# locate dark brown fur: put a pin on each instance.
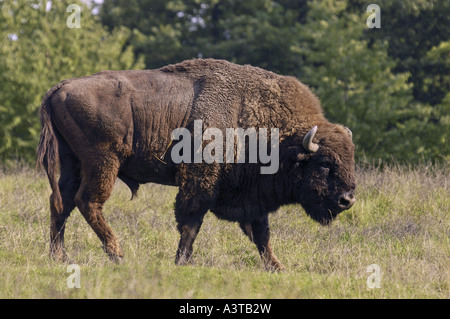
(119, 123)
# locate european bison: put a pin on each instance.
(120, 123)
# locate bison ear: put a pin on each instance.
(347, 130)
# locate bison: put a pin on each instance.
(120, 123)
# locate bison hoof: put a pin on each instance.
(275, 266)
(281, 268)
(182, 261)
(116, 259)
(59, 255)
(183, 257)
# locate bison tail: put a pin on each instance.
(48, 149)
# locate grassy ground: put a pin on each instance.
(400, 222)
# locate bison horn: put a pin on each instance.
(308, 143)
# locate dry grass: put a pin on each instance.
(400, 222)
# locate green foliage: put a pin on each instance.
(37, 50)
(252, 31)
(256, 32)
(413, 28)
(417, 39)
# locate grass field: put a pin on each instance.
(400, 222)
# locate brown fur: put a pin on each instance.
(119, 123)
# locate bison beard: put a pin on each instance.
(119, 123)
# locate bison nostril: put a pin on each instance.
(346, 200)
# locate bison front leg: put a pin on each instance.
(188, 233)
(258, 231)
(196, 195)
(189, 218)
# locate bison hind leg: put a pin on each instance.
(98, 177)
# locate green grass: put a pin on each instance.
(399, 222)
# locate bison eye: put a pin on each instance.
(325, 167)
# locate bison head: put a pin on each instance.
(323, 172)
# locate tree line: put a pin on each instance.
(390, 85)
